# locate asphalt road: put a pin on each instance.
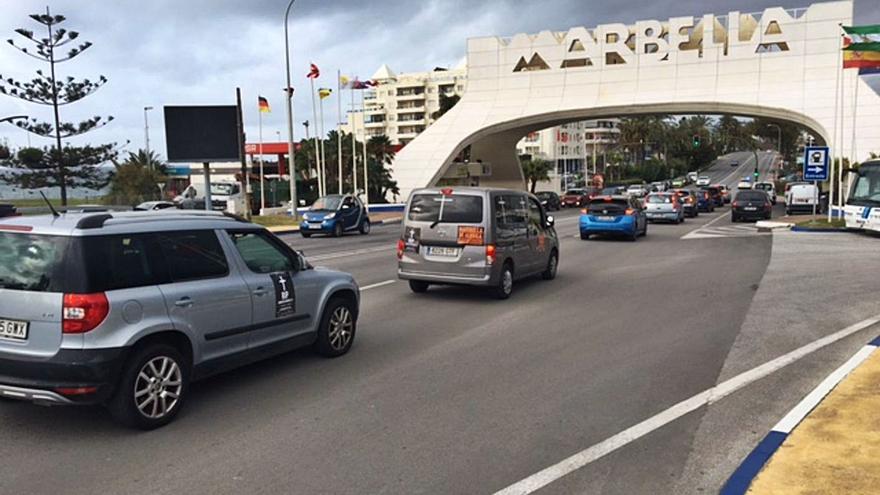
(454, 392)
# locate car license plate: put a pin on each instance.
(449, 252)
(751, 208)
(14, 330)
(606, 218)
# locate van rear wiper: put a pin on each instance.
(434, 223)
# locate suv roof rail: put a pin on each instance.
(93, 221)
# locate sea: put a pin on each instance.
(9, 191)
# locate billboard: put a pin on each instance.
(202, 134)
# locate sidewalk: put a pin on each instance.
(836, 448)
(375, 219)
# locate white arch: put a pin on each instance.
(721, 67)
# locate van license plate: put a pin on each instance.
(13, 330)
(449, 252)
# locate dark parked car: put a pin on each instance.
(7, 211)
(575, 198)
(715, 194)
(751, 205)
(549, 200)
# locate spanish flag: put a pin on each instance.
(324, 92)
(864, 53)
(263, 104)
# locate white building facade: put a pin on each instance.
(578, 150)
(402, 105)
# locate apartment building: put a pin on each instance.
(402, 105)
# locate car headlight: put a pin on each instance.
(330, 216)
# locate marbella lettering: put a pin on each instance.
(680, 40)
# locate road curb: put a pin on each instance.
(767, 226)
(741, 479)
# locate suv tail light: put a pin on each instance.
(82, 313)
(735, 204)
(400, 247)
(490, 254)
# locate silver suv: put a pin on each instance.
(475, 236)
(128, 309)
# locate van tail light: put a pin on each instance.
(400, 247)
(584, 211)
(81, 313)
(490, 254)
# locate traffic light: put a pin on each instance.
(696, 140)
(756, 174)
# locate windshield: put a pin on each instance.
(327, 203)
(221, 189)
(454, 208)
(764, 186)
(575, 192)
(867, 185)
(544, 195)
(751, 196)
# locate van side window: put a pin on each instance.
(510, 212)
(536, 218)
(192, 255)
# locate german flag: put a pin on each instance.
(263, 104)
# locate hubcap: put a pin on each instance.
(341, 328)
(157, 387)
(367, 227)
(507, 282)
(553, 264)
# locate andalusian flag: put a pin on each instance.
(264, 104)
(324, 92)
(861, 47)
(344, 81)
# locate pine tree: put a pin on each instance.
(62, 165)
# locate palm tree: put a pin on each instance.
(535, 170)
(380, 154)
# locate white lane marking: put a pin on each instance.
(737, 170)
(344, 254)
(796, 415)
(704, 225)
(376, 285)
(577, 461)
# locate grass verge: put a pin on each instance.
(275, 220)
(822, 223)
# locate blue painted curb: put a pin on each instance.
(741, 479)
(821, 230)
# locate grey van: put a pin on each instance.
(475, 236)
(126, 309)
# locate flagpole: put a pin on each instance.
(855, 155)
(354, 168)
(262, 184)
(842, 140)
(834, 142)
(339, 128)
(317, 149)
(366, 170)
(323, 154)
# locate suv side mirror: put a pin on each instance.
(303, 262)
(551, 221)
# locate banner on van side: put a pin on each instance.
(285, 295)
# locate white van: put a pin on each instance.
(802, 198)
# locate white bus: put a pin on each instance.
(862, 210)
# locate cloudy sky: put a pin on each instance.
(166, 52)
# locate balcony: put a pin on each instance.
(418, 118)
(372, 125)
(420, 108)
(410, 96)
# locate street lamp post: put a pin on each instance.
(288, 90)
(147, 135)
(779, 140)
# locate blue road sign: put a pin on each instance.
(816, 163)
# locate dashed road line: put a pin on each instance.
(377, 285)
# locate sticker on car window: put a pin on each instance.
(285, 295)
(412, 239)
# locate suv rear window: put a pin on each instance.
(751, 196)
(456, 208)
(599, 206)
(32, 262)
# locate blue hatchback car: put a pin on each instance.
(335, 214)
(705, 203)
(614, 215)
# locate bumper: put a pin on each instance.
(487, 279)
(38, 380)
(664, 216)
(325, 226)
(622, 226)
(751, 215)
